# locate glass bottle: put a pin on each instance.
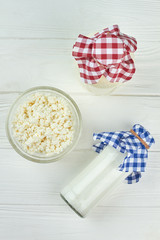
(99, 178)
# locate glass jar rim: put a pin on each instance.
(43, 158)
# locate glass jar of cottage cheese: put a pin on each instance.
(43, 124)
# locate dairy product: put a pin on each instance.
(43, 124)
(98, 179)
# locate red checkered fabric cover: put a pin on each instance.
(107, 53)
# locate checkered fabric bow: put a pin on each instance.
(107, 54)
(134, 142)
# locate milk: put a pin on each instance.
(99, 178)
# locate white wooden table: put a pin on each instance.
(36, 38)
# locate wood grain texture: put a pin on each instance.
(28, 222)
(66, 19)
(98, 115)
(28, 183)
(36, 39)
(28, 63)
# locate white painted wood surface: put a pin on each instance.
(36, 39)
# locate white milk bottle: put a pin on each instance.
(99, 178)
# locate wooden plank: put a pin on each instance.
(54, 222)
(24, 182)
(102, 113)
(46, 19)
(28, 63)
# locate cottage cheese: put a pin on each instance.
(43, 124)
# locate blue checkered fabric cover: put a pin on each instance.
(126, 142)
